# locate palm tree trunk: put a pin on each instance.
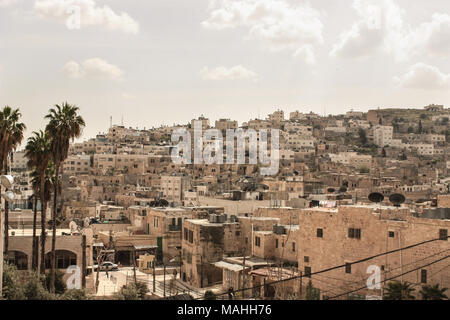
(43, 218)
(34, 251)
(5, 242)
(6, 228)
(55, 198)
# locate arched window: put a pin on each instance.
(19, 259)
(64, 259)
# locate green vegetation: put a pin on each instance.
(34, 287)
(132, 291)
(397, 290)
(311, 292)
(429, 292)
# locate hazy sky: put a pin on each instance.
(168, 61)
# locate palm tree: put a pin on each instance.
(429, 292)
(48, 186)
(11, 135)
(38, 153)
(64, 124)
(397, 290)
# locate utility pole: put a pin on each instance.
(164, 267)
(83, 262)
(134, 265)
(301, 284)
(201, 272)
(154, 279)
(243, 277)
(1, 252)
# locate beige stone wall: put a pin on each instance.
(444, 201)
(336, 248)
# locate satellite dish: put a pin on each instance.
(397, 199)
(7, 181)
(73, 226)
(8, 196)
(376, 197)
(331, 190)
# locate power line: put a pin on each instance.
(349, 282)
(339, 266)
(402, 274)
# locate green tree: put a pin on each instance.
(37, 151)
(209, 295)
(34, 288)
(76, 294)
(132, 291)
(364, 170)
(64, 125)
(420, 127)
(429, 292)
(362, 136)
(11, 135)
(60, 285)
(311, 292)
(12, 286)
(397, 290)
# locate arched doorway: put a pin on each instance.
(64, 259)
(19, 259)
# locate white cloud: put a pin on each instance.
(378, 26)
(381, 28)
(276, 22)
(233, 73)
(306, 53)
(90, 14)
(423, 76)
(5, 3)
(95, 68)
(432, 37)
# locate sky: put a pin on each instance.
(168, 61)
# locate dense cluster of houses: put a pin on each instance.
(226, 225)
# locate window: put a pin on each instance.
(443, 234)
(391, 234)
(423, 276)
(191, 236)
(354, 233)
(348, 268)
(238, 233)
(19, 259)
(293, 246)
(257, 241)
(276, 243)
(319, 233)
(306, 259)
(308, 272)
(246, 240)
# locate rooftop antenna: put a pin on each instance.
(110, 122)
(122, 120)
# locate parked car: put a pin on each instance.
(107, 265)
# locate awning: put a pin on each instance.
(98, 244)
(230, 266)
(145, 247)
